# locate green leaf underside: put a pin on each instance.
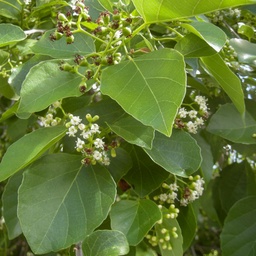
(145, 176)
(10, 201)
(164, 10)
(134, 218)
(238, 235)
(133, 131)
(19, 154)
(178, 154)
(229, 82)
(82, 45)
(176, 243)
(105, 243)
(60, 202)
(210, 33)
(228, 123)
(45, 84)
(10, 34)
(150, 88)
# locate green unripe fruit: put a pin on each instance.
(62, 17)
(127, 31)
(70, 39)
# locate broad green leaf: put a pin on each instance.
(11, 9)
(58, 49)
(107, 4)
(208, 32)
(246, 51)
(229, 82)
(19, 73)
(145, 176)
(44, 84)
(28, 148)
(4, 56)
(179, 155)
(61, 202)
(120, 164)
(6, 90)
(149, 88)
(172, 247)
(192, 46)
(10, 33)
(188, 225)
(165, 10)
(9, 112)
(246, 30)
(133, 132)
(134, 218)
(10, 203)
(238, 234)
(228, 123)
(105, 243)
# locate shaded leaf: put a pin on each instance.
(179, 154)
(10, 202)
(228, 123)
(10, 33)
(237, 237)
(165, 10)
(58, 49)
(150, 88)
(28, 148)
(134, 218)
(71, 201)
(145, 176)
(45, 84)
(11, 9)
(105, 243)
(133, 131)
(229, 82)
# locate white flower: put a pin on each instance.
(200, 100)
(54, 122)
(183, 113)
(106, 160)
(99, 143)
(184, 202)
(72, 131)
(86, 134)
(199, 121)
(79, 144)
(49, 117)
(97, 155)
(81, 127)
(95, 129)
(192, 128)
(75, 120)
(56, 104)
(172, 195)
(173, 187)
(192, 113)
(163, 197)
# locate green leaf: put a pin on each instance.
(134, 218)
(45, 84)
(133, 132)
(150, 88)
(11, 9)
(28, 148)
(208, 32)
(229, 82)
(246, 51)
(10, 34)
(10, 202)
(238, 234)
(71, 201)
(9, 112)
(58, 49)
(179, 155)
(165, 10)
(188, 225)
(246, 30)
(145, 176)
(105, 243)
(172, 247)
(228, 123)
(192, 46)
(120, 164)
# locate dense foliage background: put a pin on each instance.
(127, 127)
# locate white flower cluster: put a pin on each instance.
(193, 191)
(88, 140)
(170, 196)
(193, 119)
(49, 119)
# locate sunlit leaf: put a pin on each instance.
(28, 148)
(10, 33)
(150, 88)
(61, 202)
(105, 243)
